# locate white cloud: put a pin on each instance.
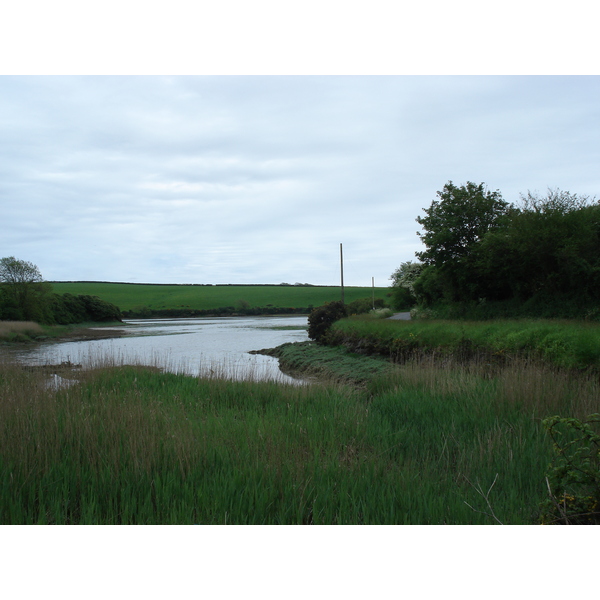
(258, 179)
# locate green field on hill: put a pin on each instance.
(129, 296)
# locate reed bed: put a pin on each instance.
(418, 444)
(19, 330)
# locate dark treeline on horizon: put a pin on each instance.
(205, 284)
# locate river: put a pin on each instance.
(210, 345)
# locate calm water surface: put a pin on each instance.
(194, 346)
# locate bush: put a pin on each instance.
(100, 310)
(574, 478)
(67, 309)
(363, 305)
(402, 299)
(323, 317)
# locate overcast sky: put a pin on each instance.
(258, 179)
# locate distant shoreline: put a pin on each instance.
(318, 285)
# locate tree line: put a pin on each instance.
(25, 296)
(485, 257)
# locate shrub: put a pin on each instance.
(323, 317)
(363, 305)
(67, 309)
(100, 310)
(574, 478)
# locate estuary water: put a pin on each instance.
(212, 345)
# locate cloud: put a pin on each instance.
(258, 179)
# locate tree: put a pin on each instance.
(403, 280)
(556, 201)
(539, 258)
(552, 245)
(454, 226)
(24, 290)
(457, 221)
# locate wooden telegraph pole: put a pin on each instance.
(373, 286)
(342, 271)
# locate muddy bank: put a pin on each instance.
(310, 361)
(92, 333)
(70, 333)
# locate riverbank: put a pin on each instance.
(372, 442)
(27, 332)
(568, 344)
(308, 360)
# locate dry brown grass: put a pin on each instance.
(538, 389)
(547, 391)
(9, 329)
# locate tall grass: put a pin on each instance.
(19, 330)
(570, 344)
(129, 445)
(417, 445)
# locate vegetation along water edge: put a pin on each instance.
(375, 442)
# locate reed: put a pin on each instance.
(417, 444)
(19, 330)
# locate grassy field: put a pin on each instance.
(205, 297)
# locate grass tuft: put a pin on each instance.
(12, 331)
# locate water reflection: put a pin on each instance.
(218, 345)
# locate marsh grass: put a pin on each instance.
(565, 344)
(472, 428)
(130, 445)
(333, 364)
(136, 445)
(12, 331)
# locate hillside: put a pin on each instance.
(128, 296)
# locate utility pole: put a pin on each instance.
(373, 284)
(342, 271)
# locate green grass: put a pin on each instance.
(207, 297)
(416, 444)
(567, 344)
(335, 363)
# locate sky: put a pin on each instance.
(258, 179)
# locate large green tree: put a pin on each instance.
(457, 221)
(453, 227)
